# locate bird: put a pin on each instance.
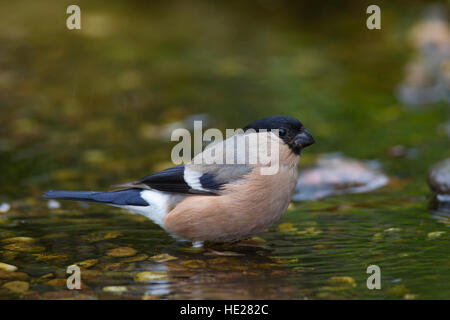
(200, 201)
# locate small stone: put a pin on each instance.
(50, 257)
(17, 286)
(43, 278)
(398, 290)
(115, 289)
(284, 261)
(334, 174)
(212, 252)
(4, 207)
(138, 258)
(99, 236)
(252, 242)
(87, 263)
(439, 177)
(342, 281)
(19, 240)
(58, 282)
(7, 275)
(226, 263)
(150, 276)
(7, 267)
(121, 252)
(163, 257)
(435, 234)
(378, 236)
(311, 231)
(150, 297)
(23, 247)
(113, 266)
(287, 227)
(53, 204)
(392, 230)
(193, 264)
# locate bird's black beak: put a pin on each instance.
(303, 140)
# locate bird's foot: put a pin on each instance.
(197, 244)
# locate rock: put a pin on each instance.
(53, 204)
(23, 247)
(8, 275)
(212, 252)
(334, 174)
(19, 240)
(193, 264)
(427, 76)
(7, 267)
(342, 281)
(439, 177)
(115, 289)
(17, 286)
(121, 252)
(138, 258)
(439, 181)
(87, 263)
(435, 234)
(400, 151)
(163, 257)
(287, 227)
(58, 282)
(99, 236)
(150, 276)
(55, 258)
(310, 231)
(398, 290)
(4, 207)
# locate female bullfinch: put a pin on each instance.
(218, 201)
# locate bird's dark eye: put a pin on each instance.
(282, 132)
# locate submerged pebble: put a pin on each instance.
(334, 174)
(342, 281)
(435, 234)
(150, 276)
(439, 177)
(17, 286)
(193, 264)
(7, 267)
(115, 289)
(87, 263)
(99, 236)
(121, 252)
(8, 275)
(58, 282)
(53, 204)
(4, 207)
(163, 257)
(18, 240)
(398, 290)
(439, 181)
(23, 247)
(138, 258)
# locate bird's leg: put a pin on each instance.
(197, 244)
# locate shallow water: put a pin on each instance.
(85, 110)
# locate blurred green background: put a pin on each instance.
(80, 108)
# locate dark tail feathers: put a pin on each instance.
(120, 197)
